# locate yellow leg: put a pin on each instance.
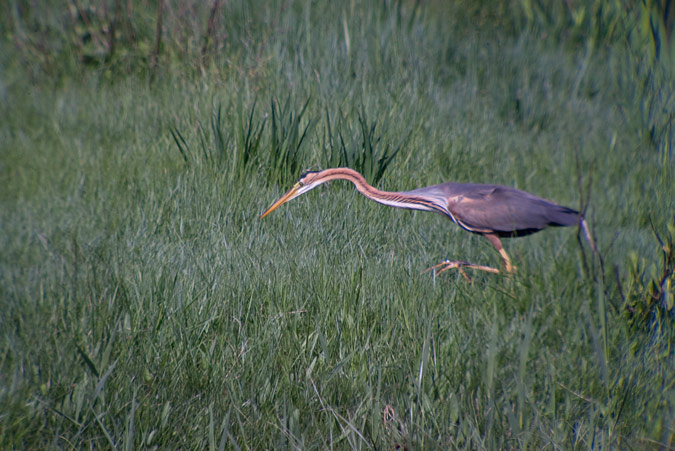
(447, 264)
(496, 242)
(507, 261)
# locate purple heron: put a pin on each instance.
(493, 211)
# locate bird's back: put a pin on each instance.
(498, 209)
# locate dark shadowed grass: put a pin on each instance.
(144, 303)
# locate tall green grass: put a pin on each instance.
(145, 305)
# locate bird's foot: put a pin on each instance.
(447, 264)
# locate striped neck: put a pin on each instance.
(392, 199)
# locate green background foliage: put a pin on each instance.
(144, 305)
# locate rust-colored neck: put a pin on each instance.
(393, 199)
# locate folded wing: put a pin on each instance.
(505, 211)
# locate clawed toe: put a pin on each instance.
(447, 264)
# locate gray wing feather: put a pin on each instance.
(499, 209)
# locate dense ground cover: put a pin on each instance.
(144, 304)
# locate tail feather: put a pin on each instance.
(562, 216)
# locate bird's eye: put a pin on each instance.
(301, 183)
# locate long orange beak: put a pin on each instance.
(285, 198)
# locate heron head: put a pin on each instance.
(308, 181)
